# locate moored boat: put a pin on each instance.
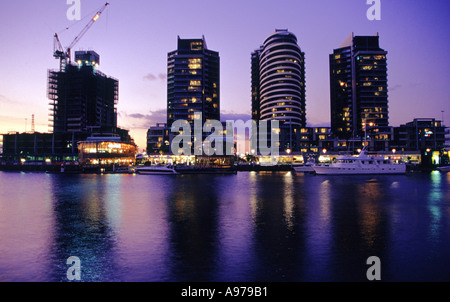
(305, 168)
(444, 169)
(156, 169)
(196, 169)
(362, 164)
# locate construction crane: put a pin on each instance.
(64, 54)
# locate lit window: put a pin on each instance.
(195, 63)
(196, 45)
(195, 66)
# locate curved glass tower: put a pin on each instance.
(278, 80)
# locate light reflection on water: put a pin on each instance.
(245, 227)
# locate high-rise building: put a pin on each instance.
(193, 82)
(278, 84)
(358, 89)
(82, 98)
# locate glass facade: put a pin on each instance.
(105, 153)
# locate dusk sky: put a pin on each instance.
(134, 37)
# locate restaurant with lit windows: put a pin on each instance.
(106, 152)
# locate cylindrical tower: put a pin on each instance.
(282, 79)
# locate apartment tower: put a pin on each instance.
(278, 85)
(358, 89)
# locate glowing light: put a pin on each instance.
(114, 146)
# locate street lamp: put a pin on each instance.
(365, 131)
(288, 151)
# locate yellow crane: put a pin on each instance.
(64, 54)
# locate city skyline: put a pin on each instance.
(133, 41)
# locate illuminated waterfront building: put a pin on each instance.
(106, 151)
(158, 139)
(278, 85)
(83, 104)
(419, 134)
(358, 90)
(193, 82)
(278, 80)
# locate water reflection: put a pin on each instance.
(318, 220)
(285, 241)
(434, 204)
(26, 226)
(288, 200)
(81, 227)
(193, 235)
(245, 227)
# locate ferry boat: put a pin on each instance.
(156, 169)
(362, 164)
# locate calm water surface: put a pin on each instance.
(245, 227)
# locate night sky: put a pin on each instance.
(134, 37)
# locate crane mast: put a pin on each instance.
(64, 55)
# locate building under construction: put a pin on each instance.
(82, 98)
(82, 107)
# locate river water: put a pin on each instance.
(253, 226)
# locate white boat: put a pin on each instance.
(305, 168)
(362, 164)
(156, 169)
(444, 169)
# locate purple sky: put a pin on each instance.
(134, 37)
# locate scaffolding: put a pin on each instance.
(81, 97)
